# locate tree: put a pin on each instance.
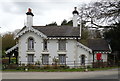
(52, 24)
(0, 42)
(68, 23)
(113, 37)
(7, 42)
(64, 22)
(101, 14)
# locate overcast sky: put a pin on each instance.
(12, 12)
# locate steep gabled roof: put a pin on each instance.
(59, 31)
(12, 48)
(84, 47)
(29, 29)
(98, 45)
(51, 31)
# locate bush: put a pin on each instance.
(100, 64)
(5, 61)
(89, 66)
(64, 66)
(20, 68)
(31, 66)
(12, 66)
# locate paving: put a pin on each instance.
(108, 74)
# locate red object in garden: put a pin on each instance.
(99, 56)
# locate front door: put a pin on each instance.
(30, 58)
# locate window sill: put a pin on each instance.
(62, 51)
(45, 50)
(30, 51)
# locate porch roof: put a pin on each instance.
(98, 45)
(11, 49)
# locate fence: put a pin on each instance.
(73, 64)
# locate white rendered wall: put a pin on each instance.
(71, 50)
(52, 48)
(23, 47)
(104, 57)
(82, 51)
(52, 45)
(38, 49)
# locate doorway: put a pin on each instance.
(82, 59)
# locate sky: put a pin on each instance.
(13, 12)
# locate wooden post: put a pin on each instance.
(9, 58)
(16, 58)
(93, 59)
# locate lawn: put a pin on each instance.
(60, 70)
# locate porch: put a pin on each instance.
(12, 52)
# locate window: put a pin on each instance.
(30, 58)
(45, 59)
(62, 44)
(30, 43)
(62, 59)
(44, 44)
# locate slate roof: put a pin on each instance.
(59, 31)
(98, 45)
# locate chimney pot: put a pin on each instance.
(29, 10)
(75, 8)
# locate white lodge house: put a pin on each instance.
(45, 43)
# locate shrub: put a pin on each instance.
(31, 66)
(12, 66)
(64, 66)
(89, 66)
(23, 64)
(100, 64)
(20, 68)
(47, 67)
(5, 61)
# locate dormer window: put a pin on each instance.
(30, 43)
(62, 45)
(45, 44)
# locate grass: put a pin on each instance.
(45, 70)
(99, 69)
(59, 70)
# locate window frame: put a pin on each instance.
(62, 45)
(62, 59)
(44, 60)
(45, 44)
(30, 57)
(30, 43)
